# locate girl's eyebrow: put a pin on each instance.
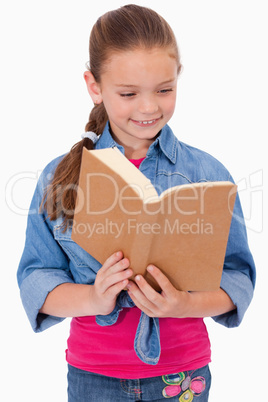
(126, 85)
(136, 86)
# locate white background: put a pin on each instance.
(222, 108)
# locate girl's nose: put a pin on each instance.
(148, 105)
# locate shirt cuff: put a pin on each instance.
(34, 290)
(239, 288)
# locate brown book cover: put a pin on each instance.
(184, 231)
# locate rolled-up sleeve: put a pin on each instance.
(239, 273)
(43, 265)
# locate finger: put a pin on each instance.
(112, 265)
(151, 294)
(114, 290)
(111, 280)
(112, 260)
(161, 279)
(141, 303)
(140, 298)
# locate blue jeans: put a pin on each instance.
(84, 386)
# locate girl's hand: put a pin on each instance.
(111, 279)
(169, 303)
(175, 303)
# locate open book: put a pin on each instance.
(184, 231)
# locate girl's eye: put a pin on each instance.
(165, 91)
(127, 95)
(132, 94)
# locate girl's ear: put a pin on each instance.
(93, 88)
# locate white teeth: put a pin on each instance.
(146, 122)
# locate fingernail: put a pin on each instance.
(138, 278)
(150, 268)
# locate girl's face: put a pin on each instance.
(138, 89)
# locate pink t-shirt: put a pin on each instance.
(136, 162)
(109, 350)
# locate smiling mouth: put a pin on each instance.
(146, 122)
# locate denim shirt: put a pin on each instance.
(51, 257)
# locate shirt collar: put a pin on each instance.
(107, 141)
(167, 142)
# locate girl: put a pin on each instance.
(132, 80)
